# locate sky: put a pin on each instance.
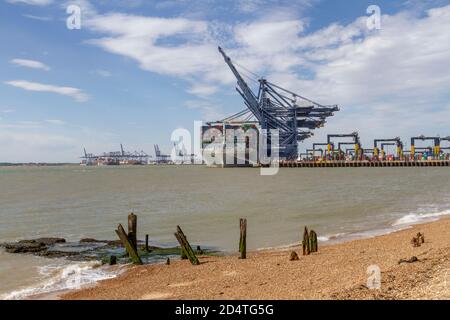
(136, 70)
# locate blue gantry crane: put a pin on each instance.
(277, 108)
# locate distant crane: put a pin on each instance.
(398, 142)
(116, 157)
(277, 108)
(436, 140)
(353, 135)
(161, 158)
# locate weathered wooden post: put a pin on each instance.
(183, 255)
(313, 241)
(132, 252)
(186, 247)
(132, 229)
(243, 238)
(146, 243)
(305, 242)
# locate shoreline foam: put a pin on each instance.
(59, 278)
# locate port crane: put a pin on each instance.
(116, 157)
(397, 141)
(353, 135)
(340, 144)
(161, 158)
(275, 107)
(383, 148)
(315, 145)
(444, 139)
(436, 140)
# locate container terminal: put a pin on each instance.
(122, 157)
(296, 117)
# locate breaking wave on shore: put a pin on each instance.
(61, 277)
(419, 217)
(423, 215)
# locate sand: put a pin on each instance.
(336, 272)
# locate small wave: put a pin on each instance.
(329, 237)
(59, 278)
(324, 238)
(414, 218)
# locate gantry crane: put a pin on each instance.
(398, 142)
(444, 139)
(340, 144)
(436, 140)
(353, 135)
(277, 108)
(320, 149)
(383, 150)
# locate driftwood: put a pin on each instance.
(186, 247)
(132, 252)
(243, 238)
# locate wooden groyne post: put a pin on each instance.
(132, 252)
(309, 242)
(146, 243)
(305, 242)
(243, 238)
(313, 247)
(132, 229)
(186, 247)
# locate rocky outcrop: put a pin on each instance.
(31, 246)
(89, 249)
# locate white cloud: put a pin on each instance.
(32, 2)
(202, 89)
(102, 73)
(55, 122)
(136, 37)
(74, 93)
(269, 37)
(39, 18)
(30, 64)
(405, 66)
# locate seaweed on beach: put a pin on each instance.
(95, 250)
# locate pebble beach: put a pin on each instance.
(338, 271)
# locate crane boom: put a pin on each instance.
(277, 108)
(245, 90)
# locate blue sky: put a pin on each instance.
(137, 70)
